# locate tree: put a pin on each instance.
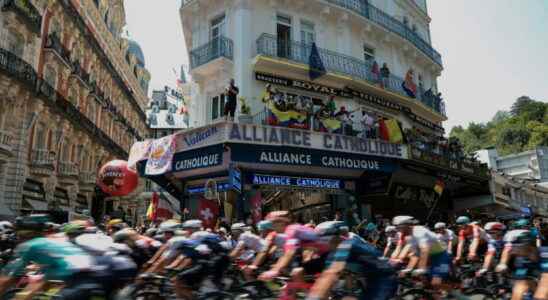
(519, 105)
(500, 117)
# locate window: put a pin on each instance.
(40, 136)
(16, 44)
(308, 35)
(92, 112)
(218, 107)
(50, 76)
(406, 21)
(368, 52)
(283, 31)
(420, 82)
(217, 27)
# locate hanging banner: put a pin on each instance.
(160, 156)
(139, 151)
(306, 157)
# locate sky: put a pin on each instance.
(493, 51)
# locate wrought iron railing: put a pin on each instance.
(439, 157)
(216, 48)
(78, 71)
(54, 43)
(68, 169)
(26, 10)
(388, 22)
(269, 45)
(43, 158)
(17, 67)
(5, 140)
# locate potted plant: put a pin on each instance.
(245, 116)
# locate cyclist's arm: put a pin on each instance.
(260, 259)
(450, 246)
(386, 249)
(472, 253)
(284, 261)
(237, 251)
(156, 256)
(326, 280)
(505, 256)
(488, 261)
(6, 282)
(460, 247)
(176, 262)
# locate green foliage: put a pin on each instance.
(523, 128)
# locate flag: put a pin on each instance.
(152, 207)
(256, 207)
(439, 187)
(139, 151)
(164, 210)
(394, 132)
(315, 63)
(208, 212)
(160, 156)
(383, 130)
(375, 70)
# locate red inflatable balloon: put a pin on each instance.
(116, 179)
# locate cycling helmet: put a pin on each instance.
(169, 226)
(114, 222)
(35, 223)
(494, 226)
(331, 228)
(238, 227)
(151, 232)
(6, 227)
(264, 225)
(74, 228)
(521, 224)
(404, 220)
(280, 215)
(123, 235)
(193, 225)
(440, 225)
(463, 220)
(390, 229)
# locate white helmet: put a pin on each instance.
(6, 227)
(390, 228)
(238, 227)
(404, 220)
(193, 224)
(440, 225)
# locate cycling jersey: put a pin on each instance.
(446, 237)
(300, 236)
(495, 246)
(59, 259)
(472, 231)
(251, 241)
(422, 237)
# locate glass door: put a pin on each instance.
(283, 30)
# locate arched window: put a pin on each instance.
(16, 44)
(65, 152)
(40, 136)
(50, 76)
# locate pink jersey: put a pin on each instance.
(299, 236)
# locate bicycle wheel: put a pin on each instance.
(216, 296)
(480, 294)
(415, 294)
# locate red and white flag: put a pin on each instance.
(208, 212)
(257, 207)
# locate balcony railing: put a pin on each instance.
(54, 43)
(87, 177)
(446, 159)
(268, 45)
(26, 11)
(78, 71)
(389, 23)
(5, 140)
(68, 169)
(43, 158)
(216, 48)
(17, 67)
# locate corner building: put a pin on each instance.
(309, 72)
(72, 97)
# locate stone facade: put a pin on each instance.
(71, 98)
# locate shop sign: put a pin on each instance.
(415, 194)
(308, 157)
(280, 136)
(221, 187)
(274, 180)
(200, 137)
(200, 158)
(345, 93)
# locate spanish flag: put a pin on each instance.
(153, 207)
(394, 131)
(439, 187)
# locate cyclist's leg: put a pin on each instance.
(542, 287)
(520, 288)
(187, 279)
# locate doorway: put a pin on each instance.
(283, 31)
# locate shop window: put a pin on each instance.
(217, 27)
(16, 44)
(308, 35)
(368, 52)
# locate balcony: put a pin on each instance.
(80, 73)
(54, 44)
(334, 62)
(87, 181)
(17, 68)
(5, 144)
(42, 162)
(389, 23)
(218, 50)
(68, 173)
(26, 11)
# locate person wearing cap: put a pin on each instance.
(432, 256)
(472, 233)
(495, 233)
(446, 236)
(56, 259)
(356, 256)
(520, 249)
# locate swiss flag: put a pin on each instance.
(208, 212)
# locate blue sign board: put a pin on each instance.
(198, 158)
(221, 187)
(294, 156)
(236, 179)
(276, 180)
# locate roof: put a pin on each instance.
(135, 49)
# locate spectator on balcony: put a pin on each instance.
(409, 85)
(331, 107)
(232, 92)
(376, 73)
(385, 76)
(368, 124)
(344, 116)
